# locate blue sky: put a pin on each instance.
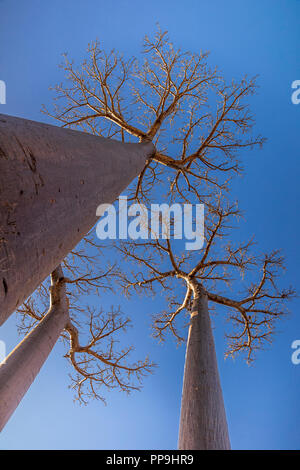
(259, 37)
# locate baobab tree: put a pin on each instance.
(174, 100)
(198, 123)
(192, 280)
(190, 122)
(91, 335)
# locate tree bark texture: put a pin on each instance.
(203, 423)
(51, 182)
(22, 365)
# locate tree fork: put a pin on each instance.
(51, 183)
(203, 423)
(22, 365)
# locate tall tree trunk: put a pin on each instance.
(51, 183)
(203, 422)
(23, 364)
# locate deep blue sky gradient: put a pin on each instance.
(258, 37)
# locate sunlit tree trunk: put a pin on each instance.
(203, 422)
(51, 182)
(22, 365)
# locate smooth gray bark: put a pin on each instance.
(23, 364)
(203, 423)
(51, 182)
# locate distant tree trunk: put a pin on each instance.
(23, 364)
(203, 422)
(51, 183)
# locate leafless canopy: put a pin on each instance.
(91, 335)
(219, 269)
(196, 120)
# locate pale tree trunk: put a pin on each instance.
(51, 183)
(203, 423)
(22, 365)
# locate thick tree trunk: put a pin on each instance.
(51, 182)
(23, 364)
(203, 422)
